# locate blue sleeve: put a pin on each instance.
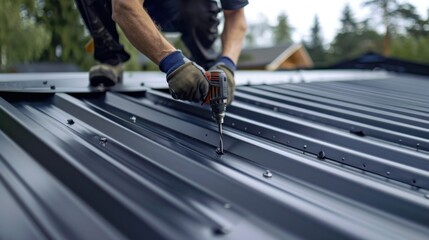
(233, 4)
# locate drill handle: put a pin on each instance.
(218, 87)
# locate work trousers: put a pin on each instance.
(196, 20)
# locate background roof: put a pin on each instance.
(255, 57)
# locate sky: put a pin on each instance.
(301, 13)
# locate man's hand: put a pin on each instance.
(227, 65)
(186, 80)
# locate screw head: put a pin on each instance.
(103, 139)
(321, 155)
(45, 82)
(221, 230)
(52, 87)
(219, 152)
(305, 146)
(267, 174)
(133, 119)
(70, 121)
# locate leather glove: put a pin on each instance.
(227, 65)
(186, 80)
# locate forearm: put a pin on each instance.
(233, 33)
(140, 29)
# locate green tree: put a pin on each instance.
(315, 45)
(414, 45)
(415, 24)
(282, 31)
(21, 39)
(353, 38)
(392, 12)
(348, 22)
(257, 32)
(411, 48)
(64, 23)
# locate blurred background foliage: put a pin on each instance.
(52, 31)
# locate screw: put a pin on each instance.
(305, 146)
(343, 159)
(267, 174)
(418, 145)
(221, 230)
(142, 84)
(53, 87)
(219, 152)
(70, 121)
(321, 155)
(134, 119)
(45, 82)
(103, 140)
(388, 173)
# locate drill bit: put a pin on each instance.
(220, 149)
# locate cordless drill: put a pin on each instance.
(217, 97)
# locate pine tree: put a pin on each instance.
(416, 25)
(354, 38)
(315, 45)
(348, 22)
(283, 31)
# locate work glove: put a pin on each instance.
(227, 65)
(186, 80)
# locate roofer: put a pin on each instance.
(197, 22)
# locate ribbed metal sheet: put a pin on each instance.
(321, 160)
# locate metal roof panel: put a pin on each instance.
(332, 159)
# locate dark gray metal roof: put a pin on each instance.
(320, 160)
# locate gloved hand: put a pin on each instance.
(186, 80)
(227, 65)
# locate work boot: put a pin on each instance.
(106, 75)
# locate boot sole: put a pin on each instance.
(102, 77)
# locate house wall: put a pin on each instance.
(296, 60)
